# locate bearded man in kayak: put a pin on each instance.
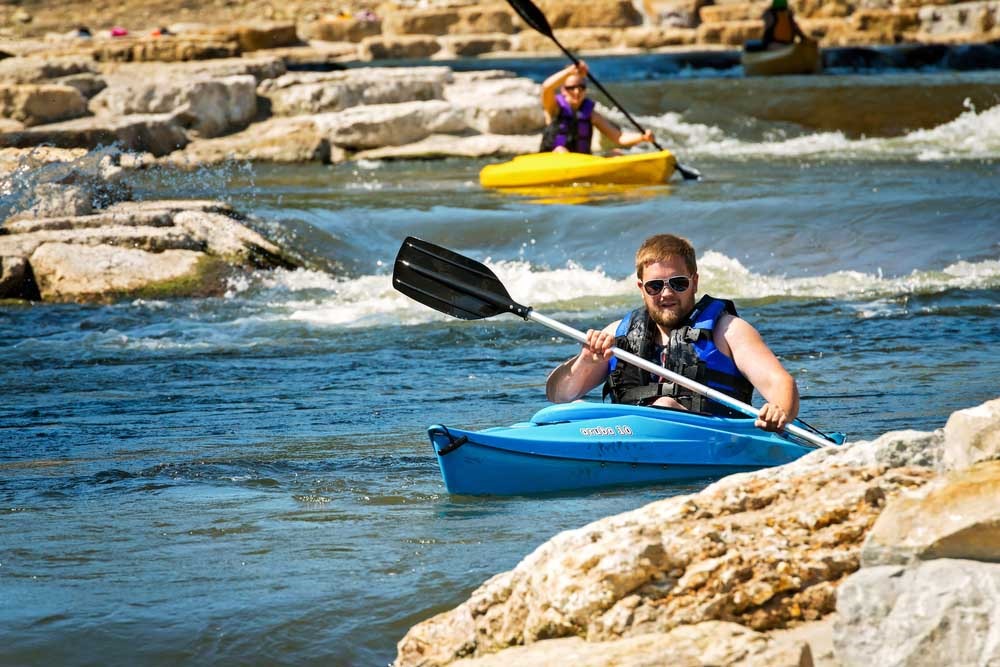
(705, 341)
(570, 116)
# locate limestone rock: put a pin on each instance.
(475, 19)
(158, 134)
(957, 516)
(259, 66)
(337, 29)
(210, 106)
(470, 46)
(732, 33)
(589, 13)
(443, 145)
(256, 36)
(378, 125)
(672, 13)
(165, 49)
(71, 272)
(972, 435)
(743, 11)
(940, 612)
(88, 84)
(972, 19)
(498, 106)
(575, 39)
(33, 104)
(714, 643)
(315, 92)
(291, 140)
(654, 38)
(37, 69)
(130, 248)
(406, 46)
(761, 552)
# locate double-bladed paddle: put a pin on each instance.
(462, 287)
(534, 17)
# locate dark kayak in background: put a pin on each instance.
(799, 58)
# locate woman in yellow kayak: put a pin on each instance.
(570, 116)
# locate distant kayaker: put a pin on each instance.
(704, 340)
(570, 116)
(780, 28)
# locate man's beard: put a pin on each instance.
(669, 319)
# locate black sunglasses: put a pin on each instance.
(579, 86)
(677, 284)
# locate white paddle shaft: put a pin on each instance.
(687, 383)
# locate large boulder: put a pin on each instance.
(957, 516)
(315, 92)
(159, 248)
(283, 140)
(971, 436)
(378, 125)
(210, 106)
(589, 13)
(730, 33)
(446, 145)
(969, 21)
(759, 551)
(939, 612)
(165, 49)
(715, 643)
(656, 37)
(382, 47)
(33, 104)
(502, 105)
(470, 46)
(36, 69)
(158, 134)
(339, 29)
(258, 35)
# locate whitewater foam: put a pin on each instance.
(973, 135)
(318, 298)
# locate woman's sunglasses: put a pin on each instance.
(677, 284)
(579, 86)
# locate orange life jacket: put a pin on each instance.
(783, 32)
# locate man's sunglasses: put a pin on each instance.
(677, 284)
(579, 86)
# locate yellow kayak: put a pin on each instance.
(567, 168)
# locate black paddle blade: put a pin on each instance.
(532, 15)
(450, 283)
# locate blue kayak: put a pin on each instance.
(585, 445)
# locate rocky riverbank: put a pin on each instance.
(360, 30)
(72, 234)
(881, 552)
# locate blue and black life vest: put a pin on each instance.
(572, 129)
(690, 352)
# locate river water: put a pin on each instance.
(246, 480)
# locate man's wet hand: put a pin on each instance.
(598, 346)
(771, 417)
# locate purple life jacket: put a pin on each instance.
(570, 129)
